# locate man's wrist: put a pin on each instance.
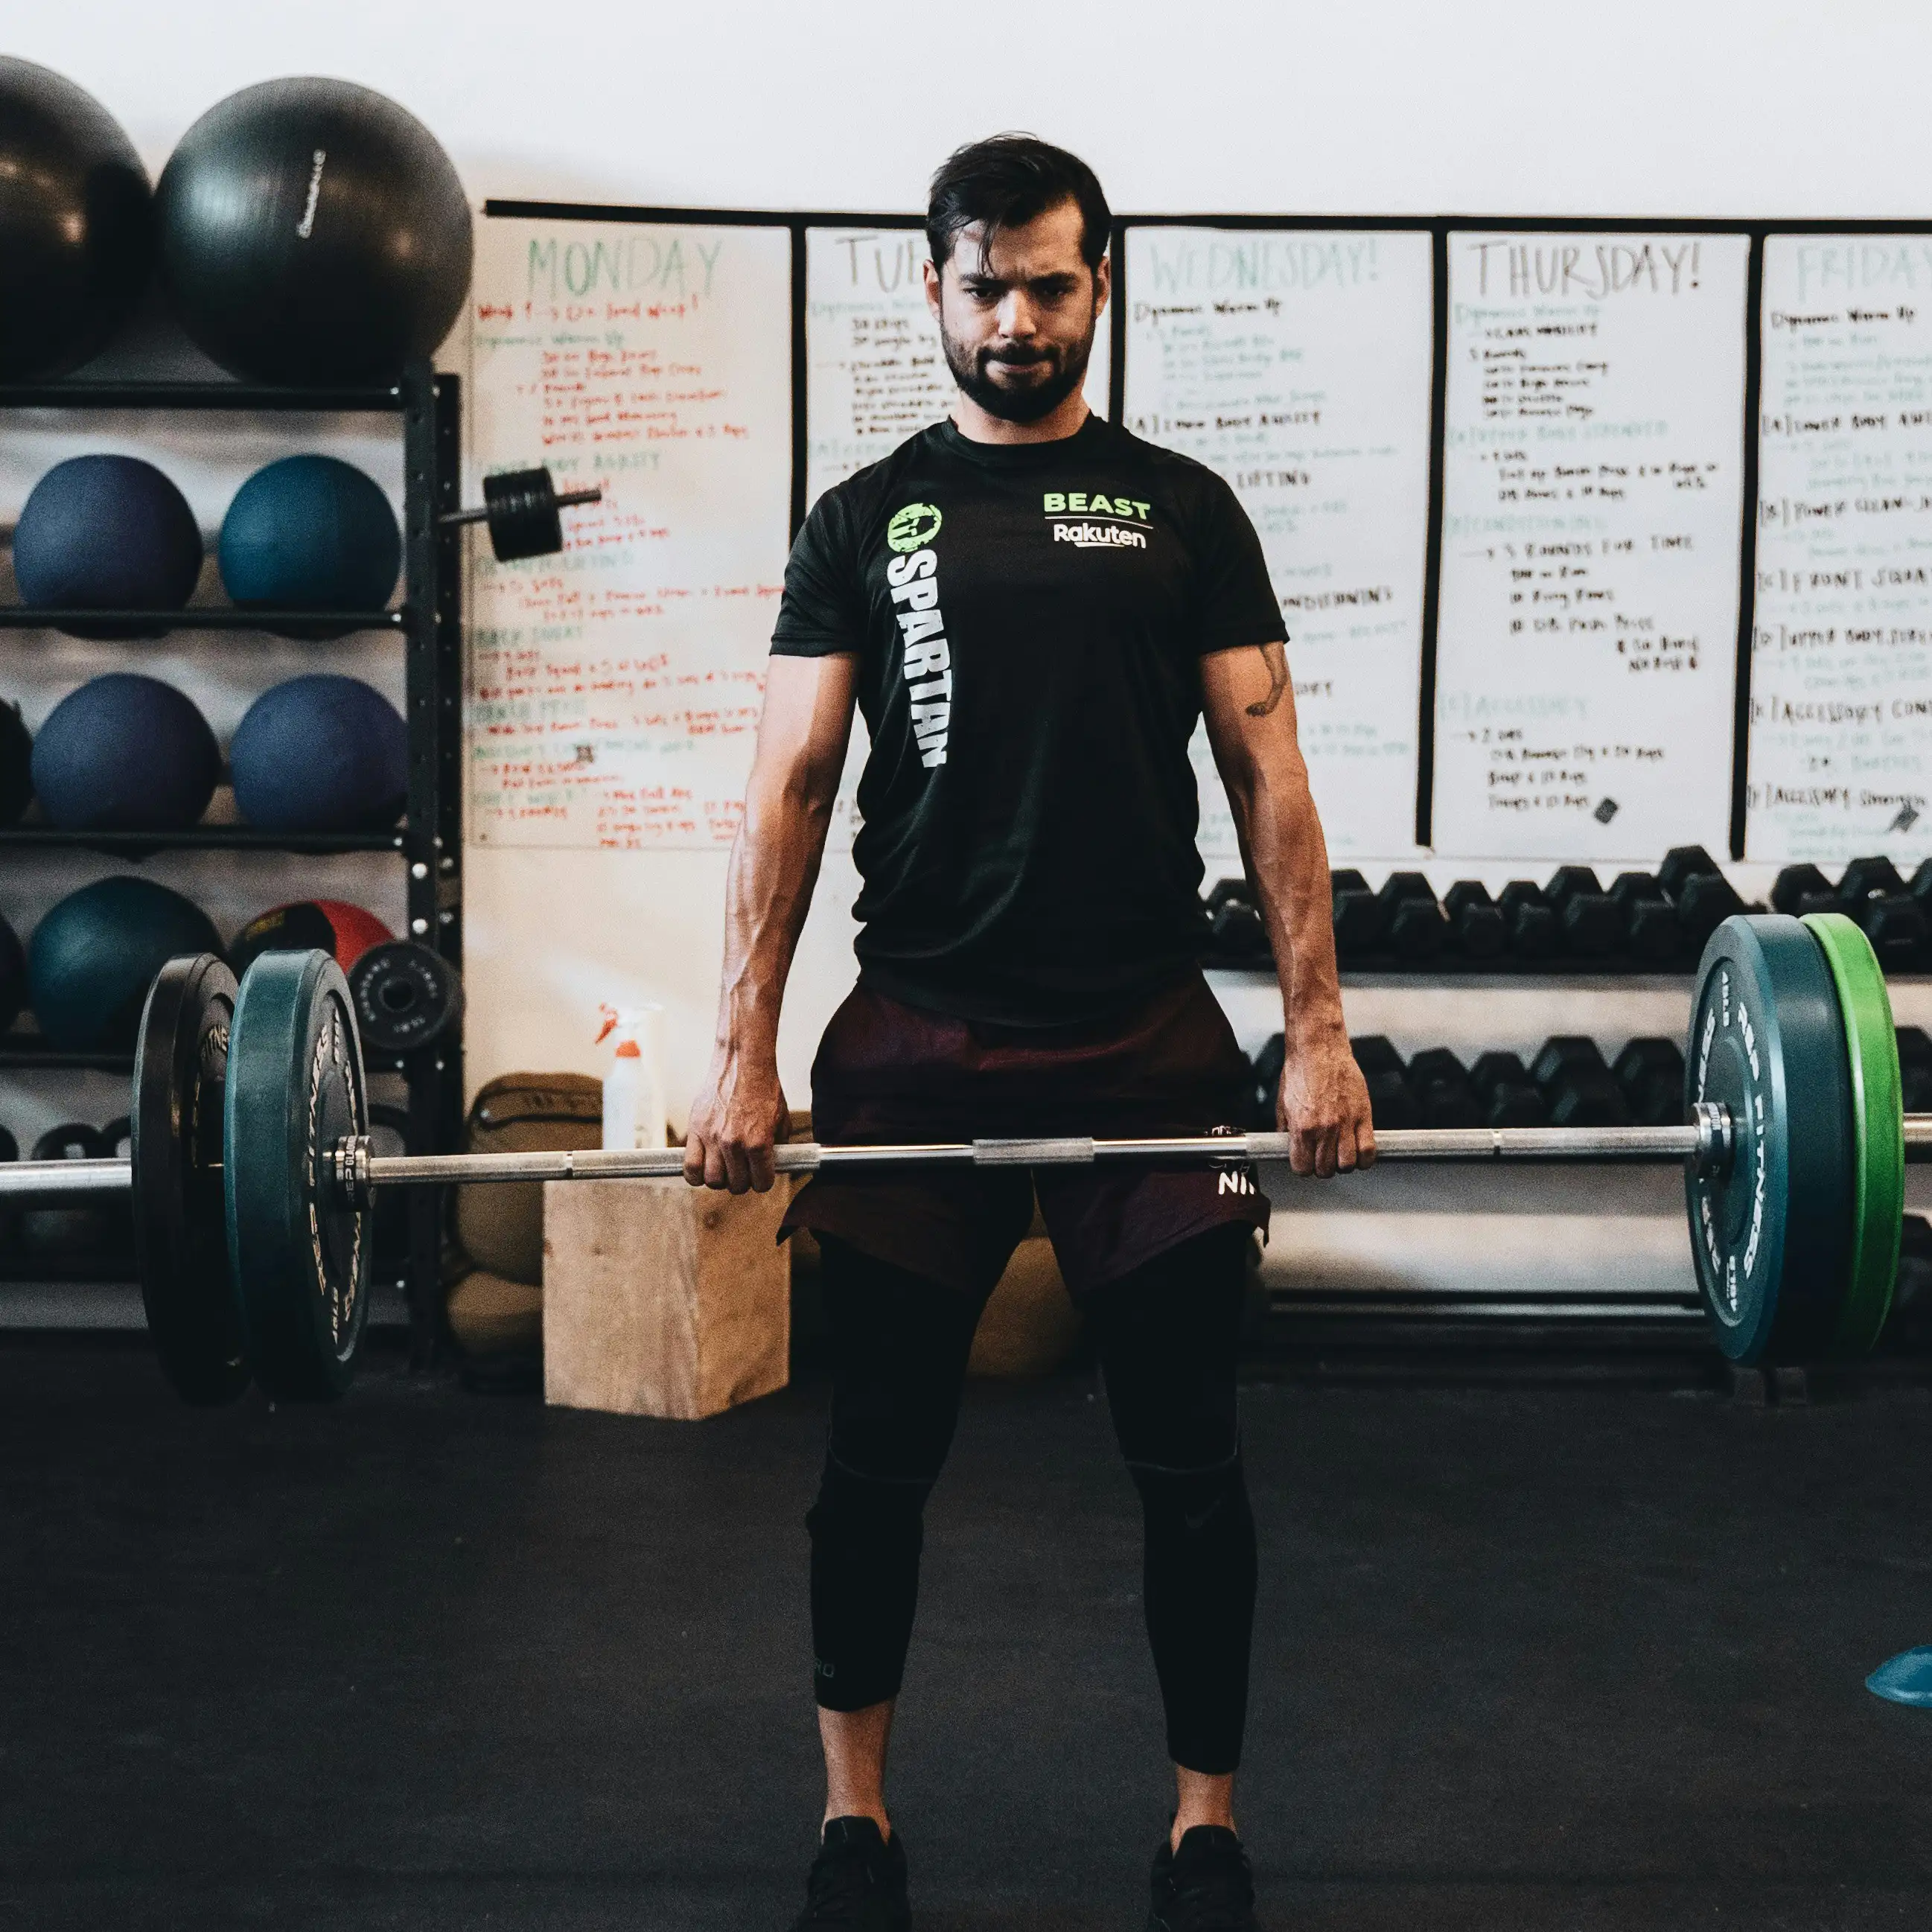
(747, 1051)
(1324, 1026)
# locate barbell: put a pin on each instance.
(252, 1176)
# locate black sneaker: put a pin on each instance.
(1206, 1886)
(858, 1881)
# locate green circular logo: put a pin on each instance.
(914, 527)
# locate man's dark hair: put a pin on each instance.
(1007, 181)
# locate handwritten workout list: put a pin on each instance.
(1841, 663)
(614, 690)
(1592, 500)
(1296, 363)
(875, 373)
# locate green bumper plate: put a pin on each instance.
(174, 1133)
(298, 1254)
(1771, 1235)
(1878, 1118)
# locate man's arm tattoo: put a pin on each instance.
(1276, 658)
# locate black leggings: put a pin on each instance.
(1168, 1335)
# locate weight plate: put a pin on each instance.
(523, 520)
(1772, 1236)
(407, 996)
(181, 1062)
(299, 1252)
(1878, 1120)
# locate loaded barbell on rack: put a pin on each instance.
(252, 1175)
(520, 511)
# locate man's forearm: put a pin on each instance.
(774, 861)
(1289, 860)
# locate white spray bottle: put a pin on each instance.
(634, 1093)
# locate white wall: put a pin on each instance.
(1499, 105)
(1644, 107)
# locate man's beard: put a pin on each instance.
(1021, 405)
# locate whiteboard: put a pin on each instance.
(614, 691)
(1296, 363)
(1841, 755)
(1592, 529)
(874, 371)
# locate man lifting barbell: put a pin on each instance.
(1032, 608)
(1030, 925)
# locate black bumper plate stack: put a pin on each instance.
(174, 1131)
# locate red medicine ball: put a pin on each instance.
(332, 926)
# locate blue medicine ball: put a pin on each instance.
(321, 754)
(125, 753)
(92, 958)
(107, 533)
(310, 533)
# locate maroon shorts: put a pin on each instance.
(887, 1073)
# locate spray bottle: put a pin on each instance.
(634, 1097)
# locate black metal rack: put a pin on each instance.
(428, 620)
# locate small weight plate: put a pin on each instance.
(181, 1062)
(298, 1251)
(407, 996)
(1878, 1119)
(1772, 1235)
(523, 521)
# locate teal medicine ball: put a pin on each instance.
(310, 533)
(93, 957)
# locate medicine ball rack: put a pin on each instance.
(428, 619)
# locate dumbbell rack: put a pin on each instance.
(1625, 1331)
(429, 622)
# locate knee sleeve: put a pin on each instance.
(867, 1533)
(1199, 1589)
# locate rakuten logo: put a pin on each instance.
(1099, 536)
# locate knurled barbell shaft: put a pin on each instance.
(1665, 1143)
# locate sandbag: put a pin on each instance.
(501, 1225)
(490, 1316)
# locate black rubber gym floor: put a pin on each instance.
(1562, 1657)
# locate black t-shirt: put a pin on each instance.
(1028, 619)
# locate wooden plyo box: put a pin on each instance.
(663, 1299)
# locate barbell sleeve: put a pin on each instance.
(53, 1180)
